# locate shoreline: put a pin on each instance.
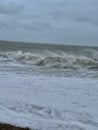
(4, 126)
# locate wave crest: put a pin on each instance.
(51, 60)
(58, 61)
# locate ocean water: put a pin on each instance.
(49, 87)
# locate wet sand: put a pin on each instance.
(4, 126)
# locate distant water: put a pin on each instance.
(49, 59)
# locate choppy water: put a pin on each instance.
(49, 59)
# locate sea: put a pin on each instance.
(49, 86)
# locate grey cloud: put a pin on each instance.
(84, 11)
(61, 19)
(10, 7)
(49, 14)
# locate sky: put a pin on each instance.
(50, 21)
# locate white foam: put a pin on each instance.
(42, 102)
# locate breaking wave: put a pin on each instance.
(64, 61)
(51, 59)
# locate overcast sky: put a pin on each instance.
(59, 21)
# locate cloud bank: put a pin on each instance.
(59, 21)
